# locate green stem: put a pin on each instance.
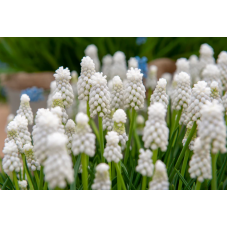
(84, 171)
(95, 130)
(184, 167)
(144, 182)
(101, 138)
(36, 177)
(45, 186)
(110, 169)
(214, 177)
(198, 185)
(155, 156)
(192, 132)
(113, 172)
(176, 122)
(130, 136)
(119, 175)
(15, 180)
(41, 178)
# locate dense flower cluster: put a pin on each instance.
(160, 178)
(145, 164)
(215, 94)
(83, 140)
(159, 94)
(108, 122)
(32, 162)
(132, 63)
(152, 77)
(102, 178)
(99, 101)
(112, 152)
(62, 77)
(222, 65)
(194, 69)
(200, 163)
(135, 91)
(206, 56)
(25, 109)
(182, 65)
(70, 129)
(155, 131)
(59, 113)
(92, 52)
(23, 184)
(106, 65)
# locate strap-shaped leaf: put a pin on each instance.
(183, 180)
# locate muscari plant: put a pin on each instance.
(181, 144)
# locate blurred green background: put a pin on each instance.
(47, 54)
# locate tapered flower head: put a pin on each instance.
(92, 52)
(206, 56)
(70, 129)
(194, 69)
(182, 65)
(102, 178)
(214, 88)
(222, 65)
(160, 178)
(31, 160)
(106, 65)
(132, 63)
(53, 85)
(151, 80)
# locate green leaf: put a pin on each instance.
(5, 183)
(11, 183)
(126, 174)
(183, 180)
(76, 169)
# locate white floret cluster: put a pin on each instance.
(119, 118)
(53, 85)
(12, 134)
(119, 66)
(206, 56)
(99, 101)
(156, 132)
(59, 113)
(132, 63)
(200, 163)
(152, 77)
(62, 77)
(23, 184)
(224, 101)
(212, 128)
(215, 94)
(112, 152)
(92, 52)
(222, 65)
(83, 140)
(108, 122)
(134, 94)
(194, 69)
(25, 109)
(11, 161)
(70, 129)
(159, 94)
(200, 94)
(84, 82)
(117, 93)
(160, 178)
(145, 164)
(182, 65)
(102, 178)
(106, 65)
(31, 160)
(211, 73)
(22, 129)
(168, 78)
(58, 167)
(46, 124)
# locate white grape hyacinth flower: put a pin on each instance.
(224, 101)
(206, 56)
(25, 109)
(200, 163)
(99, 101)
(92, 52)
(83, 139)
(215, 92)
(63, 86)
(59, 113)
(108, 122)
(200, 94)
(212, 128)
(82, 106)
(159, 94)
(46, 124)
(70, 129)
(11, 161)
(119, 65)
(53, 85)
(31, 160)
(134, 94)
(132, 63)
(119, 118)
(160, 177)
(12, 134)
(84, 82)
(22, 129)
(117, 94)
(112, 152)
(222, 65)
(156, 132)
(168, 78)
(145, 164)
(102, 178)
(107, 61)
(152, 77)
(211, 73)
(23, 184)
(194, 69)
(58, 167)
(182, 65)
